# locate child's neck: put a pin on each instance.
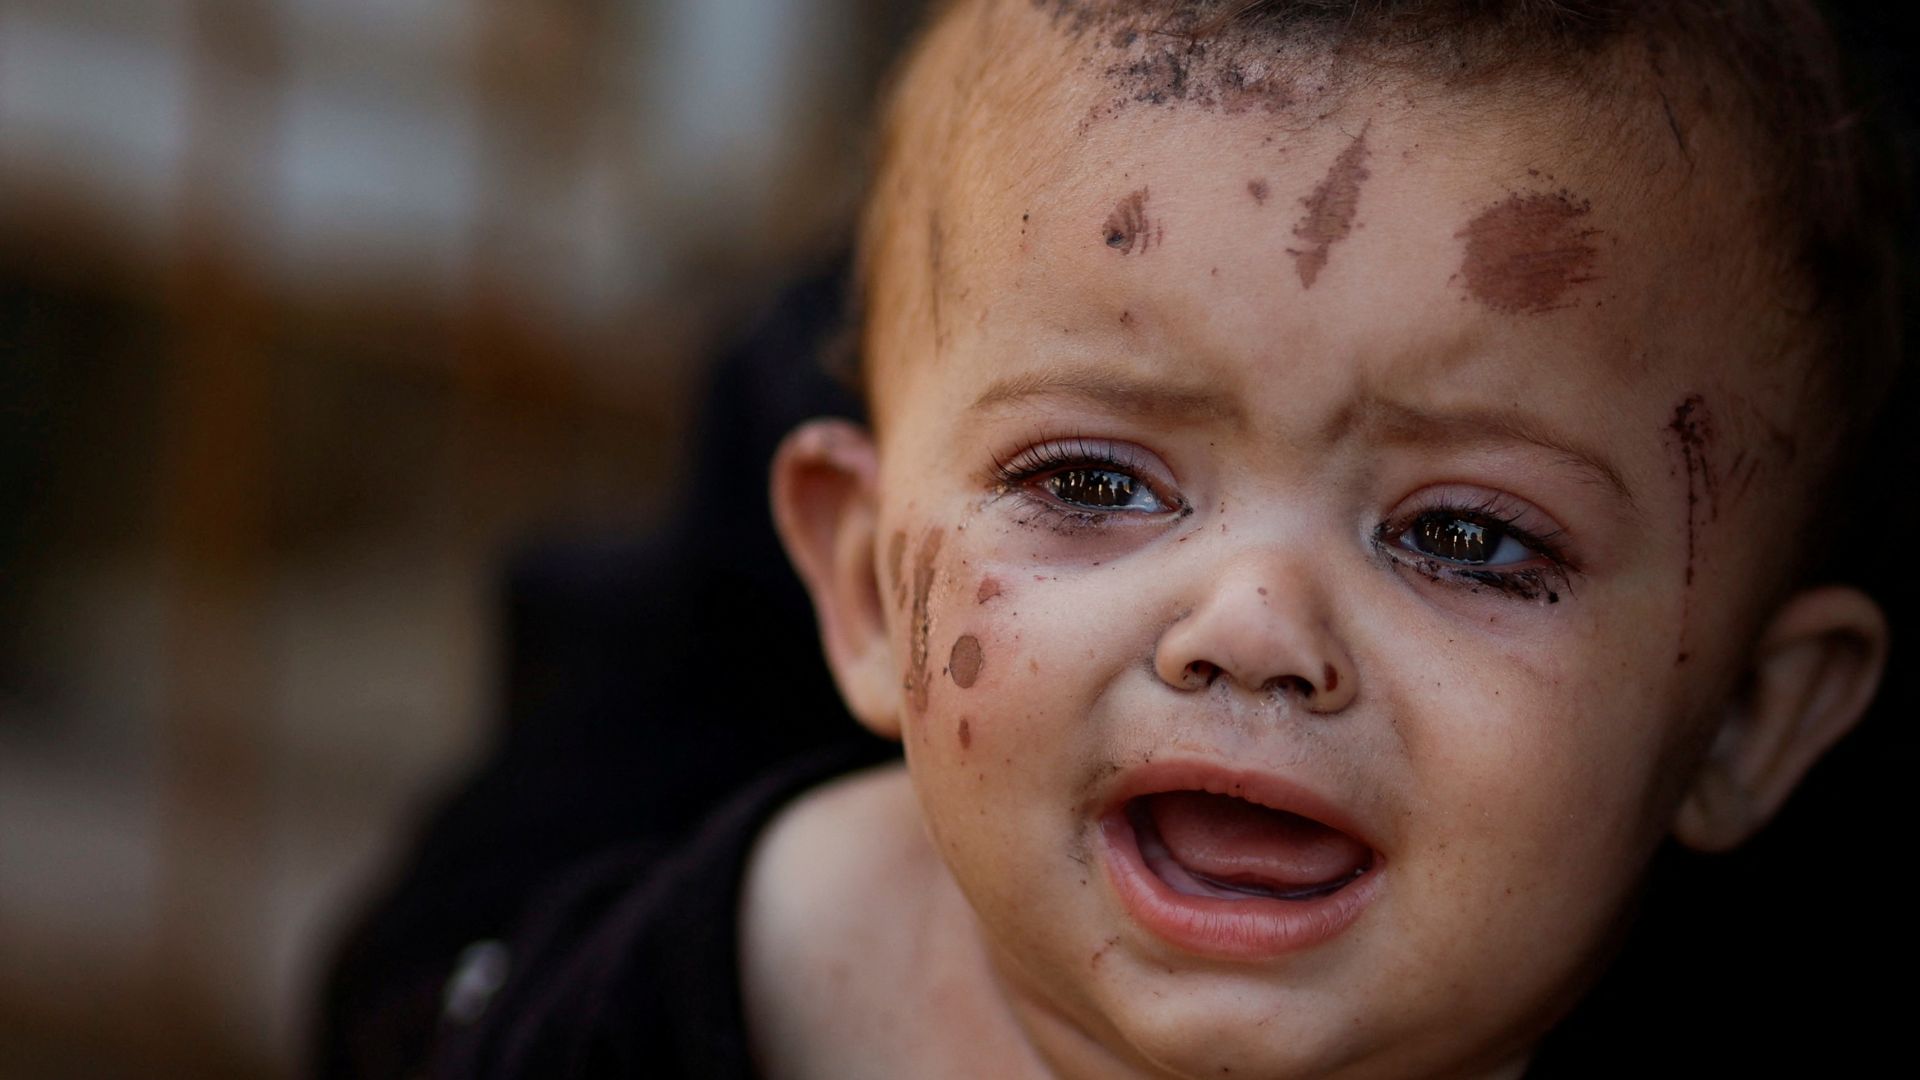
(861, 958)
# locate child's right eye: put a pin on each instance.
(1086, 481)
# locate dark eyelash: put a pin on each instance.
(1531, 583)
(1047, 457)
(1013, 476)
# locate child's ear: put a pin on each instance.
(1814, 670)
(826, 506)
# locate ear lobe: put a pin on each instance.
(1814, 671)
(826, 507)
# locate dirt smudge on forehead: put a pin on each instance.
(1524, 253)
(1182, 57)
(921, 624)
(1128, 229)
(1330, 210)
(965, 661)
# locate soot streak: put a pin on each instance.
(1128, 229)
(965, 661)
(1692, 432)
(1330, 210)
(936, 256)
(1525, 252)
(922, 622)
(896, 556)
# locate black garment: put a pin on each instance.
(632, 967)
(647, 680)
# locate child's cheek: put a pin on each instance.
(961, 636)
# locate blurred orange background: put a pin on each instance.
(311, 310)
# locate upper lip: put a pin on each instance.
(1271, 790)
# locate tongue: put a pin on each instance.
(1235, 842)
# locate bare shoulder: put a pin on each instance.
(834, 891)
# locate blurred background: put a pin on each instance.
(311, 313)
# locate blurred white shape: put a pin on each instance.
(100, 109)
(366, 177)
(422, 23)
(722, 82)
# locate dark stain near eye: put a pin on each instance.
(922, 620)
(989, 588)
(1525, 252)
(1330, 210)
(965, 661)
(1692, 433)
(1128, 229)
(1258, 189)
(896, 556)
(965, 734)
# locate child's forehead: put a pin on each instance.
(1542, 190)
(1456, 223)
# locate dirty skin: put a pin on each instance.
(965, 661)
(896, 556)
(936, 258)
(921, 624)
(1691, 431)
(1330, 210)
(1525, 253)
(1183, 58)
(1128, 228)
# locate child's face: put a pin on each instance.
(1413, 470)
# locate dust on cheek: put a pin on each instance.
(920, 619)
(965, 661)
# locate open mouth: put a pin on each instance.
(1222, 846)
(1234, 865)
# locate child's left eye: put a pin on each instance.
(1465, 540)
(1090, 488)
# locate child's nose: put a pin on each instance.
(1263, 625)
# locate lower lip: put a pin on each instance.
(1256, 928)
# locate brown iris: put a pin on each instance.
(1099, 488)
(1454, 538)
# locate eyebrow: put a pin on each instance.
(1132, 395)
(1382, 420)
(1390, 422)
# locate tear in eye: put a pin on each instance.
(1101, 489)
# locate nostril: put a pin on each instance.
(1202, 673)
(1289, 684)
